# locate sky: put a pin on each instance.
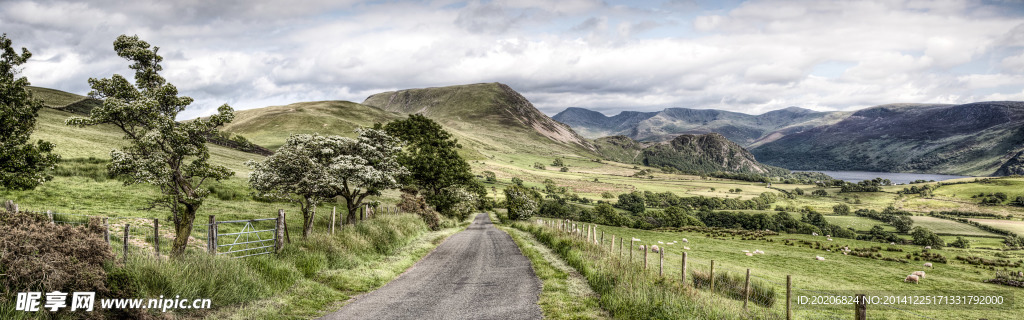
(609, 56)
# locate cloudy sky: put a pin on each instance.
(747, 56)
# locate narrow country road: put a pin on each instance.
(478, 273)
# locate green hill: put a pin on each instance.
(271, 126)
(488, 117)
(66, 101)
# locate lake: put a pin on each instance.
(897, 178)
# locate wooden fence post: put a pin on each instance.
(106, 230)
(156, 236)
(746, 290)
(712, 279)
(789, 297)
(279, 231)
(334, 212)
(684, 269)
(211, 241)
(661, 262)
(602, 238)
(630, 251)
(861, 309)
(611, 245)
(49, 215)
(125, 257)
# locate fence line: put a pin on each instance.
(695, 272)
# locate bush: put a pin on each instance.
(418, 205)
(520, 202)
(925, 237)
(960, 243)
(38, 256)
(841, 209)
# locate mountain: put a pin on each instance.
(271, 126)
(705, 153)
(64, 101)
(982, 138)
(744, 129)
(488, 115)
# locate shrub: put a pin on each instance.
(520, 202)
(38, 256)
(418, 205)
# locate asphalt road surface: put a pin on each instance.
(478, 273)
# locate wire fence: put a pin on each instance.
(767, 295)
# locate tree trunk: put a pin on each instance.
(182, 231)
(308, 212)
(353, 208)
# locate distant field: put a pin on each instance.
(857, 223)
(944, 226)
(1008, 225)
(1012, 187)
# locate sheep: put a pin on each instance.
(829, 239)
(820, 258)
(828, 236)
(928, 264)
(686, 248)
(749, 254)
(911, 278)
(758, 251)
(659, 242)
(745, 251)
(655, 249)
(919, 274)
(814, 234)
(892, 243)
(635, 239)
(642, 247)
(927, 247)
(686, 241)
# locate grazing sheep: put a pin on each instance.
(686, 241)
(927, 247)
(686, 248)
(642, 247)
(892, 243)
(746, 251)
(749, 254)
(928, 264)
(655, 249)
(814, 234)
(911, 278)
(758, 251)
(820, 258)
(659, 242)
(635, 239)
(828, 236)
(919, 274)
(829, 239)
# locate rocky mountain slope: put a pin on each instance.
(706, 153)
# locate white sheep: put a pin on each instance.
(892, 243)
(928, 264)
(659, 242)
(814, 234)
(919, 274)
(686, 241)
(686, 248)
(828, 236)
(654, 248)
(635, 239)
(829, 239)
(820, 258)
(749, 254)
(911, 278)
(745, 251)
(642, 247)
(927, 247)
(758, 251)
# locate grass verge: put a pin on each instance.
(565, 293)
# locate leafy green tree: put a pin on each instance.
(436, 169)
(161, 151)
(521, 203)
(841, 209)
(634, 202)
(23, 164)
(489, 176)
(605, 212)
(607, 195)
(960, 242)
(799, 191)
(820, 193)
(558, 162)
(517, 182)
(925, 237)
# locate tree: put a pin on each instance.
(309, 169)
(558, 162)
(490, 176)
(925, 237)
(432, 158)
(161, 151)
(841, 209)
(520, 202)
(23, 164)
(820, 193)
(368, 165)
(960, 243)
(633, 202)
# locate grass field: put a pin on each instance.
(845, 273)
(949, 227)
(1008, 225)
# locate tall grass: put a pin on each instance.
(627, 290)
(304, 263)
